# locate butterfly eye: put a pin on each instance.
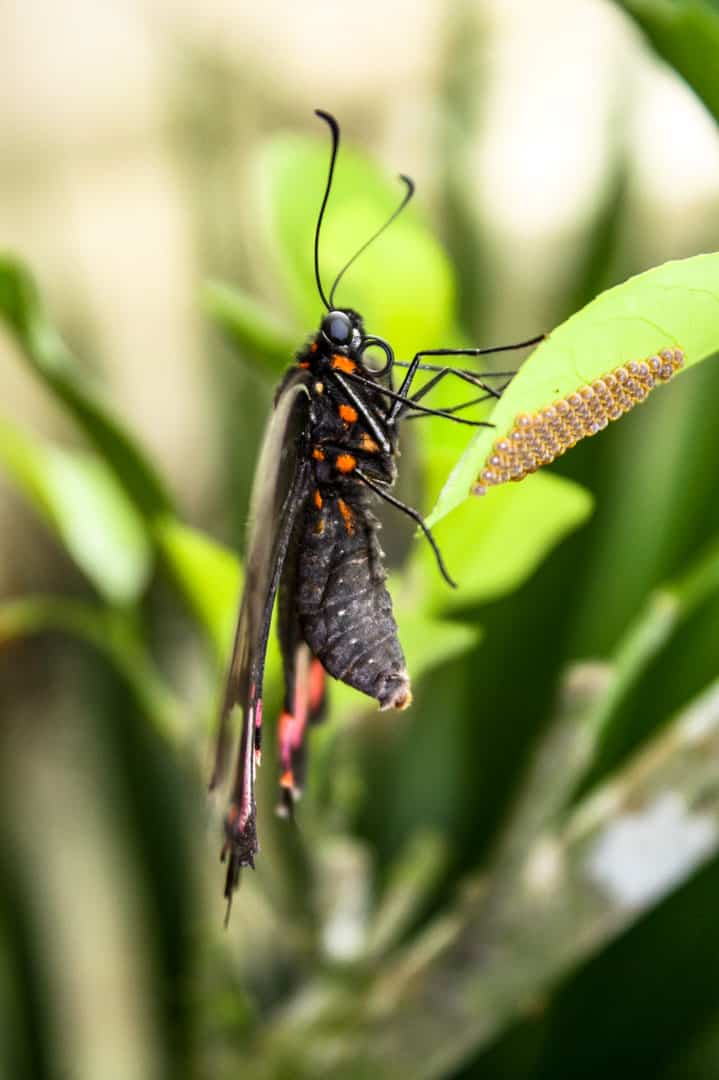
(337, 328)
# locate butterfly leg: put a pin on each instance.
(410, 512)
(397, 408)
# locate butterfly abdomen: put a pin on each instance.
(344, 608)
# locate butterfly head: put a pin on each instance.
(341, 331)
(342, 345)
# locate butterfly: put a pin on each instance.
(329, 452)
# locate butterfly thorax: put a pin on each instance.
(348, 430)
(338, 594)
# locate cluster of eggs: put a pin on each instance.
(538, 438)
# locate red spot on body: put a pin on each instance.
(318, 454)
(318, 500)
(290, 731)
(317, 684)
(286, 737)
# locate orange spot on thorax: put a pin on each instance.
(306, 363)
(348, 413)
(346, 463)
(343, 363)
(347, 516)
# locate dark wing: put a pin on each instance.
(280, 488)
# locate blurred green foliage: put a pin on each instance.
(43, 349)
(447, 906)
(80, 499)
(686, 34)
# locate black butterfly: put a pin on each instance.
(329, 450)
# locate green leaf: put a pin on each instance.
(250, 327)
(491, 548)
(105, 544)
(428, 642)
(114, 633)
(685, 33)
(23, 311)
(663, 613)
(402, 284)
(676, 304)
(209, 576)
(80, 499)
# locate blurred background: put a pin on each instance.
(518, 877)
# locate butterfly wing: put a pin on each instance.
(280, 489)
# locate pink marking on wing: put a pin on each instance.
(286, 738)
(243, 815)
(317, 684)
(300, 716)
(258, 713)
(249, 763)
(291, 731)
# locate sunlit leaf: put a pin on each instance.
(492, 547)
(685, 33)
(676, 304)
(209, 576)
(402, 284)
(25, 315)
(80, 499)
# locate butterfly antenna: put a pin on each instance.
(407, 196)
(335, 129)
